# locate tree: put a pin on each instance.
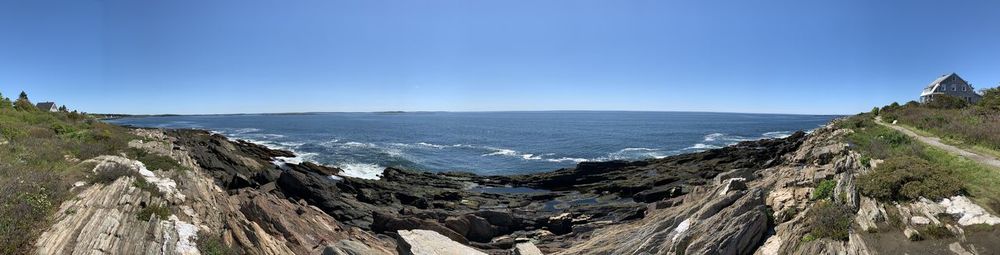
(990, 100)
(63, 109)
(23, 104)
(946, 102)
(5, 102)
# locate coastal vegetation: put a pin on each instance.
(41, 156)
(909, 169)
(828, 219)
(972, 126)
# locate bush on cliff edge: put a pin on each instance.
(908, 178)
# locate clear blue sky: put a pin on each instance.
(196, 56)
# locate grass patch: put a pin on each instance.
(147, 212)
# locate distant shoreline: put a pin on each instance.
(119, 116)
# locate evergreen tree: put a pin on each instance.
(63, 108)
(5, 102)
(23, 104)
(990, 100)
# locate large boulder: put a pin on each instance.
(427, 242)
(473, 227)
(388, 223)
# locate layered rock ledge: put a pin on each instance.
(750, 198)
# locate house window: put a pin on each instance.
(954, 87)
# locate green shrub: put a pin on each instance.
(110, 174)
(937, 232)
(213, 245)
(35, 175)
(808, 238)
(27, 198)
(830, 220)
(857, 121)
(146, 213)
(990, 101)
(946, 102)
(142, 184)
(908, 178)
(153, 161)
(824, 189)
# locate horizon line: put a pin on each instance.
(452, 111)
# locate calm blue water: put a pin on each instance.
(489, 142)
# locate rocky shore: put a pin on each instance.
(749, 198)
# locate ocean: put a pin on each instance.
(489, 143)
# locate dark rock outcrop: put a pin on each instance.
(569, 204)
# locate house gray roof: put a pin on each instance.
(940, 79)
(932, 88)
(45, 105)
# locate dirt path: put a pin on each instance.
(936, 142)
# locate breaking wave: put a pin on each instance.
(361, 170)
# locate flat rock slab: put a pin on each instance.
(427, 242)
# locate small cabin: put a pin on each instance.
(47, 106)
(950, 84)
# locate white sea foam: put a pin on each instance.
(245, 130)
(291, 144)
(699, 146)
(361, 170)
(713, 136)
(778, 134)
(358, 144)
(567, 159)
(529, 156)
(637, 149)
(501, 152)
(438, 146)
